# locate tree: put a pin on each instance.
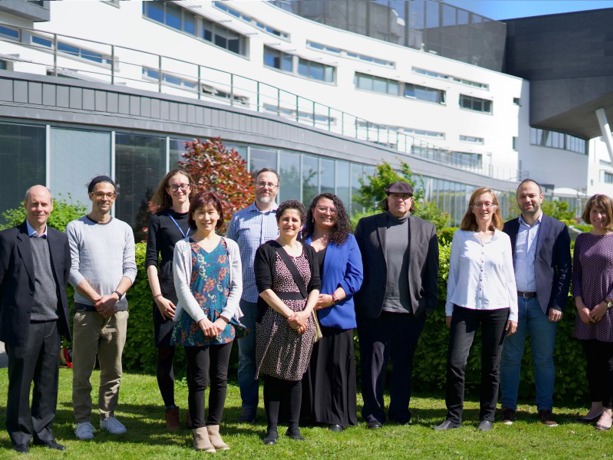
(372, 193)
(213, 167)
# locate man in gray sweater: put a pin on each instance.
(103, 269)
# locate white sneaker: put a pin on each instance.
(112, 425)
(84, 431)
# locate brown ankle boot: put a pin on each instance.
(215, 438)
(172, 419)
(201, 440)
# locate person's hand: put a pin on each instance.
(584, 315)
(598, 312)
(106, 305)
(448, 321)
(297, 323)
(166, 307)
(207, 328)
(511, 327)
(324, 301)
(554, 315)
(219, 324)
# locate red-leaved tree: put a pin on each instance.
(220, 170)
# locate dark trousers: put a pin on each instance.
(204, 363)
(599, 371)
(464, 324)
(37, 361)
(391, 336)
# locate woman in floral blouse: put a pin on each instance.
(207, 278)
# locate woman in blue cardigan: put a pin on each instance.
(330, 382)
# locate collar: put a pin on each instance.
(33, 233)
(536, 222)
(254, 208)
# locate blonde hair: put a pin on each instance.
(469, 221)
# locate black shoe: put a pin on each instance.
(247, 416)
(485, 425)
(448, 425)
(21, 448)
(374, 425)
(50, 444)
(508, 416)
(294, 433)
(271, 437)
(336, 428)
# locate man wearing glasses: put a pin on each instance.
(250, 228)
(103, 269)
(400, 257)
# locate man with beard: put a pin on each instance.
(250, 228)
(541, 257)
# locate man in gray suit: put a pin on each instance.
(400, 256)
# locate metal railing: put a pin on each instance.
(37, 51)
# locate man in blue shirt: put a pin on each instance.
(541, 249)
(250, 228)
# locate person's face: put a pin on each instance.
(206, 218)
(324, 214)
(598, 218)
(178, 189)
(103, 196)
(266, 187)
(38, 206)
(484, 208)
(399, 204)
(529, 198)
(290, 223)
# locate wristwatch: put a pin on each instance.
(119, 295)
(609, 304)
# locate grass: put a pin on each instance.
(139, 409)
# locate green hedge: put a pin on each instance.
(430, 359)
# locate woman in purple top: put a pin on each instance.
(593, 293)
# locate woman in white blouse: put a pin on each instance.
(481, 291)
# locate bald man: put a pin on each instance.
(34, 270)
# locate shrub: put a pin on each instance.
(63, 212)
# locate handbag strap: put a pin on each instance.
(292, 268)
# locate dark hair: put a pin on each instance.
(341, 229)
(97, 180)
(263, 170)
(469, 221)
(601, 202)
(201, 200)
(291, 204)
(161, 197)
(525, 181)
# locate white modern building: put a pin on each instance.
(323, 91)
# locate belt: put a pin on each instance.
(526, 295)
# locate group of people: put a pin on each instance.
(290, 284)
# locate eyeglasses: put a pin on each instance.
(177, 187)
(263, 184)
(109, 195)
(484, 204)
(326, 209)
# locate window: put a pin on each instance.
(608, 178)
(309, 69)
(350, 54)
(377, 84)
(517, 101)
(73, 51)
(443, 76)
(553, 139)
(250, 20)
(423, 93)
(9, 32)
(476, 104)
(471, 139)
(179, 18)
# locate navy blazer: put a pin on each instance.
(552, 265)
(342, 267)
(17, 282)
(370, 234)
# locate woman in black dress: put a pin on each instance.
(287, 277)
(167, 227)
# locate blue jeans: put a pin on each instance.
(542, 332)
(246, 358)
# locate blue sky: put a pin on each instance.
(508, 9)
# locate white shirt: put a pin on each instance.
(481, 275)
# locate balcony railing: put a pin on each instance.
(36, 51)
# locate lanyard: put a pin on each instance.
(185, 235)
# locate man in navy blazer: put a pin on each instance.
(34, 269)
(400, 258)
(541, 257)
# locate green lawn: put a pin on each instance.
(147, 438)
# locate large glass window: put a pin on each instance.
(262, 158)
(343, 190)
(310, 178)
(423, 93)
(553, 139)
(22, 156)
(289, 170)
(140, 165)
(77, 156)
(475, 103)
(277, 59)
(327, 172)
